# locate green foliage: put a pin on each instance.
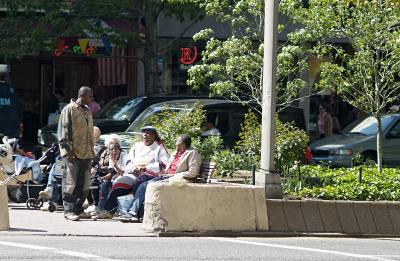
(208, 146)
(233, 67)
(42, 22)
(365, 72)
(343, 184)
(227, 162)
(290, 146)
(170, 124)
(249, 143)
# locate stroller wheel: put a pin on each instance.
(32, 203)
(52, 207)
(39, 202)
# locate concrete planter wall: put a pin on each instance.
(225, 207)
(205, 208)
(323, 216)
(4, 216)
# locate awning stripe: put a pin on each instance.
(112, 69)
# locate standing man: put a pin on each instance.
(75, 135)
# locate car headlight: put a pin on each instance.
(341, 152)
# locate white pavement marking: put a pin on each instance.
(57, 251)
(374, 257)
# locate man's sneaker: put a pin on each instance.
(89, 210)
(72, 217)
(45, 206)
(85, 215)
(103, 214)
(46, 193)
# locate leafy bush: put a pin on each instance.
(170, 124)
(227, 162)
(249, 143)
(343, 184)
(208, 146)
(290, 146)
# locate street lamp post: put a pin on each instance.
(267, 175)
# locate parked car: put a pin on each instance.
(9, 111)
(340, 150)
(115, 116)
(227, 116)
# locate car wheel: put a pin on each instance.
(369, 157)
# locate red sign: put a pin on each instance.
(186, 55)
(74, 45)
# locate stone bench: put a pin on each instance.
(205, 208)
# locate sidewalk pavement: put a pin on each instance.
(36, 222)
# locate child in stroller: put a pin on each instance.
(21, 173)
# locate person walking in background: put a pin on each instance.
(324, 122)
(75, 135)
(94, 107)
(52, 108)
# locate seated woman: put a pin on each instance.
(111, 165)
(146, 160)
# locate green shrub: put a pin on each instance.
(170, 124)
(343, 184)
(290, 145)
(208, 146)
(249, 143)
(227, 162)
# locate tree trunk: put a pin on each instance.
(150, 51)
(379, 142)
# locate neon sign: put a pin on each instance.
(186, 55)
(80, 46)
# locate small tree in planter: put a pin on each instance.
(290, 146)
(170, 124)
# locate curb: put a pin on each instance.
(10, 233)
(272, 234)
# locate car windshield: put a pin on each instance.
(368, 126)
(119, 109)
(146, 117)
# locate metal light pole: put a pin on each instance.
(267, 174)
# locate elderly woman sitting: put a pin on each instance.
(110, 165)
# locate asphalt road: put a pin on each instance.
(150, 248)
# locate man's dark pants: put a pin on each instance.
(75, 184)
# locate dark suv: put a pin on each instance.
(115, 116)
(9, 111)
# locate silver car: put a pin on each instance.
(340, 150)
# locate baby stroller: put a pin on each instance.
(23, 175)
